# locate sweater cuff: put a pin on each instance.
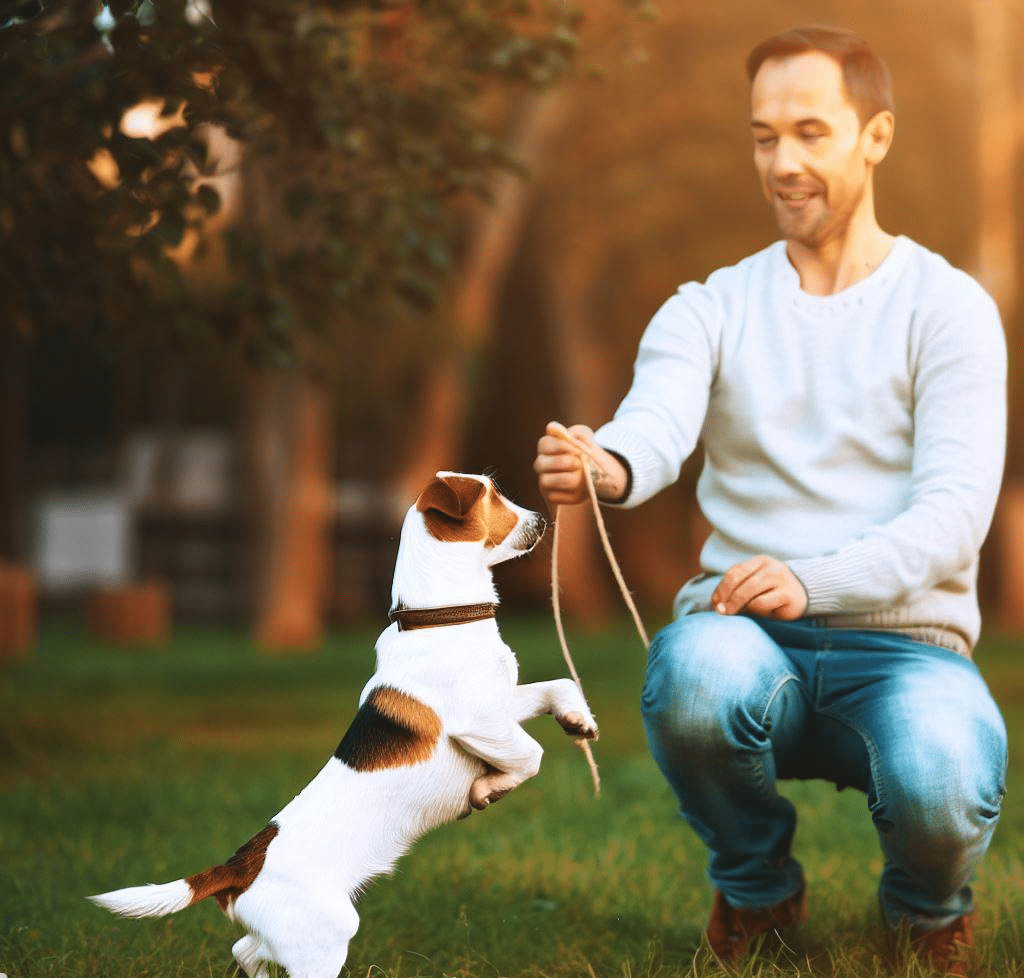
(644, 466)
(825, 579)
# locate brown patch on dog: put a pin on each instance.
(455, 510)
(391, 729)
(229, 880)
(450, 512)
(501, 521)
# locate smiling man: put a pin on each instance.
(849, 390)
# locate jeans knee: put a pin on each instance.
(942, 792)
(705, 672)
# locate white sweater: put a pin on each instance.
(859, 437)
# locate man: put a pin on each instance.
(849, 390)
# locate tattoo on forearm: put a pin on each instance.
(602, 479)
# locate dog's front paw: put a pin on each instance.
(578, 725)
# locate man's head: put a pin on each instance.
(822, 119)
(866, 76)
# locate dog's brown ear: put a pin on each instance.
(446, 505)
(454, 496)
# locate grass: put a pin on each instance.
(123, 766)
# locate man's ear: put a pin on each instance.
(446, 503)
(878, 135)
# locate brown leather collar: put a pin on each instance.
(412, 618)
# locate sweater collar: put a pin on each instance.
(854, 294)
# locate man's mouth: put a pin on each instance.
(795, 198)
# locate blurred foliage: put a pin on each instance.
(363, 138)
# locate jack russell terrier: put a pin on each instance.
(437, 735)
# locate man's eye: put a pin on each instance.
(766, 140)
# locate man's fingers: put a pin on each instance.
(725, 600)
(560, 481)
(558, 497)
(559, 469)
(770, 604)
(762, 586)
(756, 585)
(577, 431)
(579, 438)
(565, 462)
(572, 452)
(778, 604)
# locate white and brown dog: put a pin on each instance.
(437, 734)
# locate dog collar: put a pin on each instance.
(412, 618)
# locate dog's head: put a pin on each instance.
(469, 509)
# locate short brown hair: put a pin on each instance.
(867, 77)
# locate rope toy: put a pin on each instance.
(584, 453)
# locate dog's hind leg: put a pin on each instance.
(317, 945)
(247, 952)
(512, 754)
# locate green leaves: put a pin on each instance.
(350, 132)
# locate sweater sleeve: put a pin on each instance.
(959, 415)
(659, 421)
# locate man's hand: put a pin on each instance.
(560, 469)
(763, 586)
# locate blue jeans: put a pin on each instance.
(733, 704)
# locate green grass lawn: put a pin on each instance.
(120, 767)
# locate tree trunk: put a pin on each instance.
(583, 371)
(998, 138)
(13, 441)
(438, 441)
(18, 611)
(289, 420)
(996, 261)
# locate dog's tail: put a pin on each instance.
(225, 882)
(154, 900)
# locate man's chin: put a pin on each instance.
(798, 228)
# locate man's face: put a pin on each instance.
(809, 147)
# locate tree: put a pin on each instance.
(996, 260)
(367, 128)
(364, 157)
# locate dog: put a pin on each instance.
(437, 734)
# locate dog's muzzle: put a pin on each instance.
(529, 533)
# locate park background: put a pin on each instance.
(255, 291)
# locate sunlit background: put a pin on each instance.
(228, 360)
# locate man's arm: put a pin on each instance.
(658, 422)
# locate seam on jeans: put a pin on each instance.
(874, 757)
(765, 783)
(790, 677)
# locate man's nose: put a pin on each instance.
(786, 161)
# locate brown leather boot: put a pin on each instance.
(730, 930)
(948, 949)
